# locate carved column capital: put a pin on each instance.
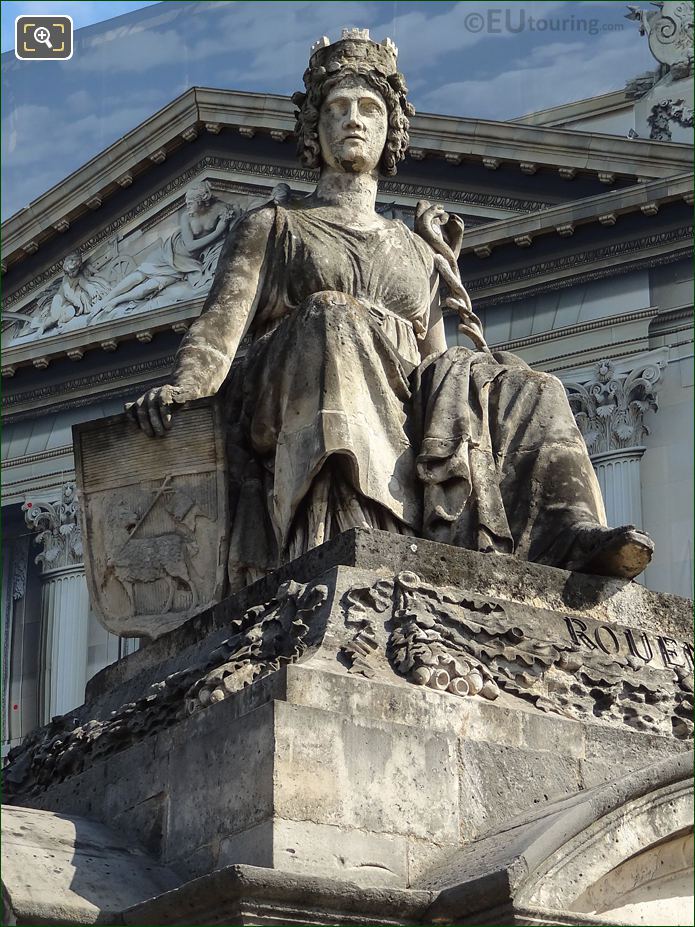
(609, 409)
(58, 530)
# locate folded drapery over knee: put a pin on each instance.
(502, 462)
(339, 427)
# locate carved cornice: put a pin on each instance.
(35, 458)
(91, 382)
(398, 187)
(471, 139)
(579, 259)
(58, 527)
(609, 409)
(107, 231)
(52, 480)
(273, 172)
(423, 191)
(555, 333)
(599, 273)
(564, 218)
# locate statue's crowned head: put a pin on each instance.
(355, 58)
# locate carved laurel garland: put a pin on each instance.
(438, 638)
(469, 647)
(264, 638)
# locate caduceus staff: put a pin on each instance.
(430, 224)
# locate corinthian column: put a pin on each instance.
(64, 601)
(609, 410)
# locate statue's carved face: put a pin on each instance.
(195, 203)
(72, 265)
(352, 127)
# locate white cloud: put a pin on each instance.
(137, 52)
(82, 12)
(87, 135)
(575, 71)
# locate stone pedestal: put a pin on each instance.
(352, 740)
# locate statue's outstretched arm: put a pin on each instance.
(208, 348)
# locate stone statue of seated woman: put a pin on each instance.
(348, 409)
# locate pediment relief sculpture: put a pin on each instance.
(134, 272)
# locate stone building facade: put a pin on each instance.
(576, 255)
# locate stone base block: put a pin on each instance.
(366, 725)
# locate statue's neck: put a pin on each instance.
(348, 191)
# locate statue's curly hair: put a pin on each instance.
(202, 190)
(319, 83)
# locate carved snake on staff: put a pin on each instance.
(429, 224)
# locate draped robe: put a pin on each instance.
(336, 421)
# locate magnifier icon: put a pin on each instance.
(42, 35)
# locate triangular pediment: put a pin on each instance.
(531, 151)
(124, 212)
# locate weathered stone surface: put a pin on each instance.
(381, 767)
(502, 577)
(154, 520)
(343, 729)
(564, 856)
(307, 847)
(369, 626)
(495, 778)
(57, 869)
(381, 424)
(338, 770)
(249, 895)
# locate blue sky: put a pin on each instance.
(83, 12)
(490, 59)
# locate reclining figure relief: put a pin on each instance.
(348, 409)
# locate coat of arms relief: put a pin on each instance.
(154, 516)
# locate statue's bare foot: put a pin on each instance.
(622, 552)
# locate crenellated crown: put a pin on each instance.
(356, 50)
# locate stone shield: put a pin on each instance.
(154, 517)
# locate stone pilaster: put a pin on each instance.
(618, 475)
(64, 601)
(609, 410)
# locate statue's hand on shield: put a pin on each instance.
(153, 410)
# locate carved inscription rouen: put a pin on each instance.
(576, 667)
